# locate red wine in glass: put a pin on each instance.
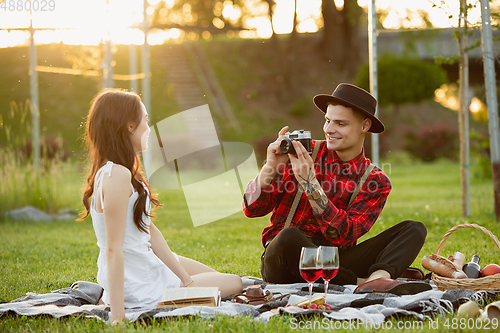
(308, 267)
(310, 274)
(328, 260)
(329, 273)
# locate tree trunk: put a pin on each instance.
(350, 32)
(293, 36)
(331, 42)
(341, 43)
(290, 56)
(270, 12)
(294, 27)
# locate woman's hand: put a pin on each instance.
(119, 320)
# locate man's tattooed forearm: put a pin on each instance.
(319, 205)
(322, 202)
(308, 185)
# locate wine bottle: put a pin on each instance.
(472, 269)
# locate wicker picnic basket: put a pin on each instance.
(485, 283)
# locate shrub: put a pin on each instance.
(55, 185)
(403, 80)
(434, 141)
(15, 133)
(51, 147)
(480, 149)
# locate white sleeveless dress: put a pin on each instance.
(145, 275)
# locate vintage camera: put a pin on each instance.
(302, 136)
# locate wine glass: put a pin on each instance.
(308, 267)
(328, 260)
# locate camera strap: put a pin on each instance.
(300, 190)
(360, 184)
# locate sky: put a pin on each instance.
(88, 22)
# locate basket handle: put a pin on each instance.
(466, 225)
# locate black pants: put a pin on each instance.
(393, 250)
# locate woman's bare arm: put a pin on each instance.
(116, 193)
(162, 251)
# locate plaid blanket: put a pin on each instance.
(81, 297)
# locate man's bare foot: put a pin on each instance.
(378, 274)
(360, 281)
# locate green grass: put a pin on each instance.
(53, 186)
(44, 256)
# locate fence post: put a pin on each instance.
(35, 109)
(463, 114)
(146, 81)
(134, 86)
(491, 99)
(372, 50)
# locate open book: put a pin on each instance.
(182, 297)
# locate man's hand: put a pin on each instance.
(275, 159)
(303, 168)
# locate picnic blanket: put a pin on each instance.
(81, 297)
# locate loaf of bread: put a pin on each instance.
(442, 266)
(458, 259)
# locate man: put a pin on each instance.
(324, 215)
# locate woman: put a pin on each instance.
(135, 263)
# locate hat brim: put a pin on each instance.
(322, 101)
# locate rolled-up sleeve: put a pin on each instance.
(345, 227)
(259, 202)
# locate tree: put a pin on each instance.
(461, 35)
(270, 12)
(405, 80)
(199, 15)
(463, 113)
(340, 41)
(294, 25)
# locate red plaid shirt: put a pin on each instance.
(337, 224)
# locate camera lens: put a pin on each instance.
(286, 146)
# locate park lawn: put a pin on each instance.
(44, 256)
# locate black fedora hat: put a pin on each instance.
(354, 97)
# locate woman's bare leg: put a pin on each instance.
(228, 284)
(204, 276)
(194, 267)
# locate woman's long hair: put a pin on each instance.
(107, 137)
